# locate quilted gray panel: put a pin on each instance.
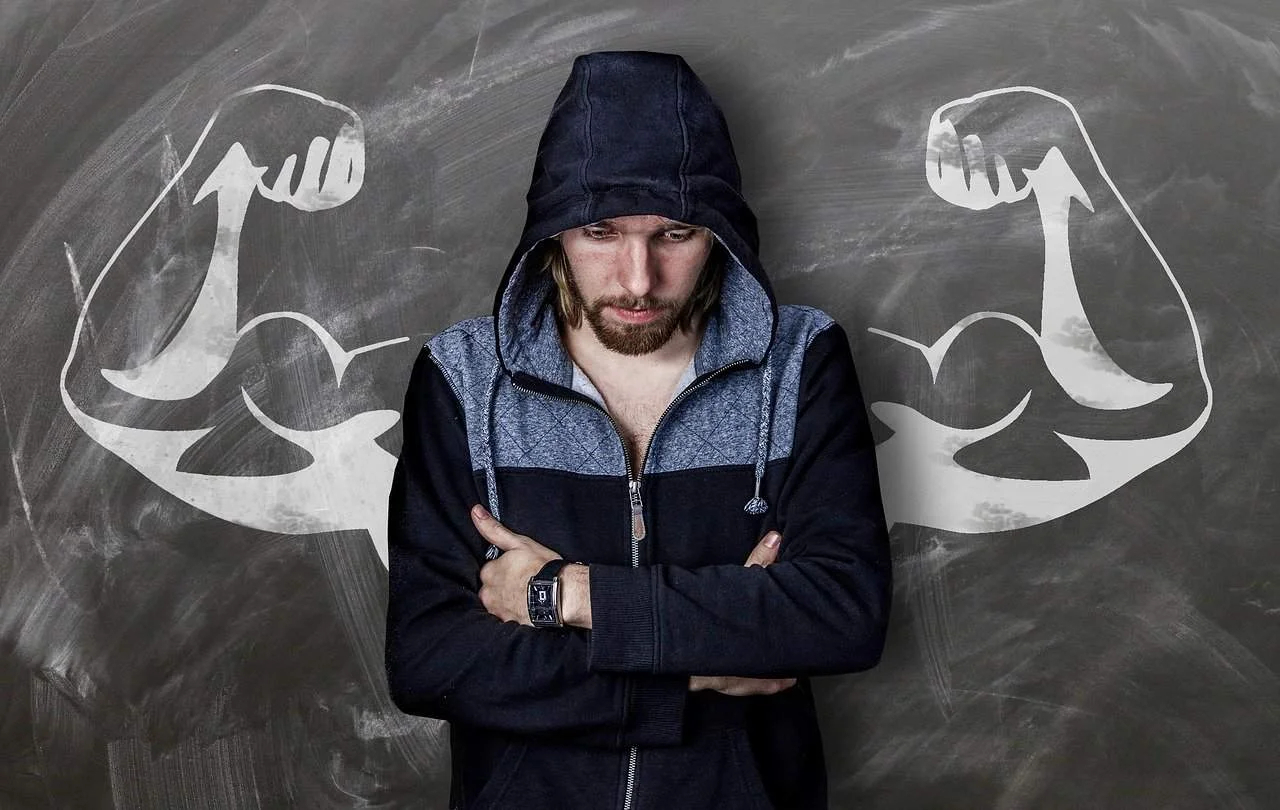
(715, 425)
(718, 424)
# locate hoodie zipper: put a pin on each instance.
(636, 504)
(634, 482)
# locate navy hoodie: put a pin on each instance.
(771, 433)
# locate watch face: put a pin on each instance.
(542, 604)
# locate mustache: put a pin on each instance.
(632, 302)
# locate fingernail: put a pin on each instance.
(480, 512)
(772, 540)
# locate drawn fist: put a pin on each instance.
(1028, 129)
(271, 124)
(957, 169)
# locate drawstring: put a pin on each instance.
(490, 460)
(758, 505)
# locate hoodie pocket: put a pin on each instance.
(499, 779)
(745, 764)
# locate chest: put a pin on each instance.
(636, 412)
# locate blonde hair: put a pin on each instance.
(706, 295)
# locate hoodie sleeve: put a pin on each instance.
(820, 609)
(446, 655)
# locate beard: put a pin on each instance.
(631, 338)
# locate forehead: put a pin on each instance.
(640, 222)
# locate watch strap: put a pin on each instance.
(551, 569)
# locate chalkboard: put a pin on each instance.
(1048, 228)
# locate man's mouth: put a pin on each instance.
(635, 315)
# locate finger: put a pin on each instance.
(775, 685)
(700, 682)
(950, 169)
(316, 153)
(493, 531)
(976, 157)
(1005, 189)
(346, 164)
(280, 189)
(935, 145)
(766, 551)
(493, 571)
(742, 687)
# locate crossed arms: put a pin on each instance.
(821, 608)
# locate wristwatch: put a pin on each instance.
(544, 594)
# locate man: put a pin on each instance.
(639, 418)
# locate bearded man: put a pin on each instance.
(585, 473)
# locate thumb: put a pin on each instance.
(493, 531)
(766, 551)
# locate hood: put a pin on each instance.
(634, 132)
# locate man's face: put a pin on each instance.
(634, 277)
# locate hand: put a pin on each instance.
(504, 581)
(764, 553)
(265, 129)
(739, 686)
(343, 174)
(957, 169)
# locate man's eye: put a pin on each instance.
(595, 233)
(679, 236)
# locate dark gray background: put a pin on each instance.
(1122, 656)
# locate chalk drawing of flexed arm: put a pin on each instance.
(344, 486)
(924, 483)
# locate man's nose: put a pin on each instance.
(638, 267)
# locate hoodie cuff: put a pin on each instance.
(656, 713)
(622, 622)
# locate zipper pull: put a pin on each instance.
(637, 511)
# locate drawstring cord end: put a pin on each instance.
(758, 505)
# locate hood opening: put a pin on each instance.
(636, 132)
